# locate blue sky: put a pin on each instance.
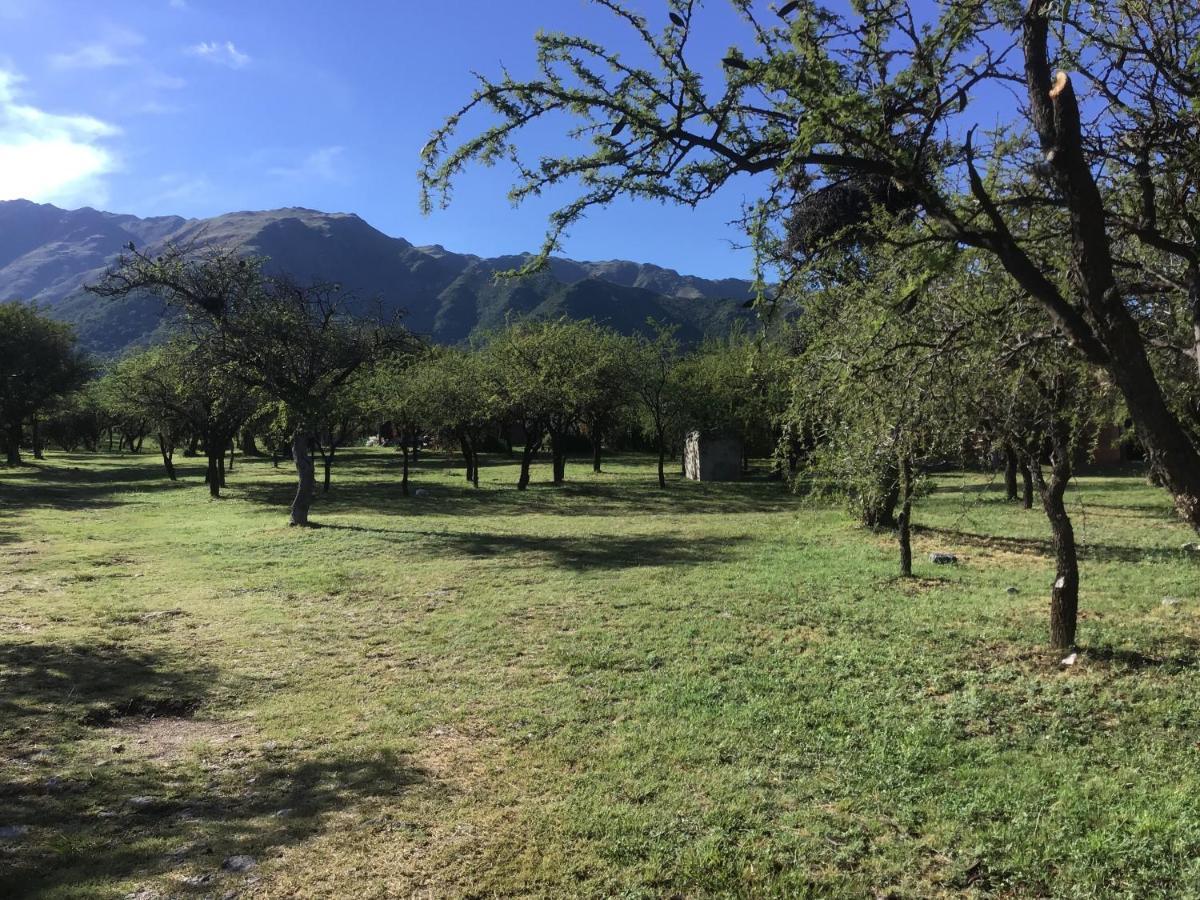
(198, 107)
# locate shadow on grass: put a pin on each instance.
(372, 484)
(1043, 547)
(89, 482)
(590, 552)
(89, 823)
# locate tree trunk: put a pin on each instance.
(1108, 335)
(464, 443)
(305, 477)
(1064, 596)
(596, 449)
(327, 461)
(231, 452)
(12, 444)
(559, 459)
(1010, 473)
(904, 524)
(474, 466)
(662, 460)
(167, 451)
(249, 447)
(1026, 485)
(193, 444)
(404, 474)
(220, 452)
(527, 454)
(37, 439)
(212, 476)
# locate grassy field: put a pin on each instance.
(598, 690)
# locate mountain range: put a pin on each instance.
(49, 254)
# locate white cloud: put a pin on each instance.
(222, 54)
(50, 157)
(320, 165)
(105, 53)
(90, 56)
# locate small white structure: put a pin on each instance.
(712, 456)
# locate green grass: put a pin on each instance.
(598, 690)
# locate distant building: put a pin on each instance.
(713, 456)
(1116, 445)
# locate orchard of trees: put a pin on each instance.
(943, 294)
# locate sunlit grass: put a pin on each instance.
(595, 690)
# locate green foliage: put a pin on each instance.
(39, 365)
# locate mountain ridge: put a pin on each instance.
(48, 254)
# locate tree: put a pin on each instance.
(453, 390)
(291, 340)
(151, 386)
(887, 394)
(341, 418)
(874, 104)
(39, 365)
(77, 420)
(541, 374)
(399, 394)
(654, 371)
(604, 391)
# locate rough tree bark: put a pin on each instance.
(596, 450)
(468, 452)
(1064, 596)
(904, 523)
(212, 476)
(306, 481)
(12, 443)
(1111, 338)
(558, 459)
(527, 454)
(1010, 473)
(1026, 485)
(168, 452)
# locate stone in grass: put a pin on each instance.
(943, 559)
(239, 863)
(1193, 547)
(12, 832)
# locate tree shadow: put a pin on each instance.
(375, 486)
(1135, 660)
(86, 485)
(583, 553)
(88, 822)
(1043, 547)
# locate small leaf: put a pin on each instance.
(736, 62)
(618, 128)
(962, 101)
(677, 19)
(787, 8)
